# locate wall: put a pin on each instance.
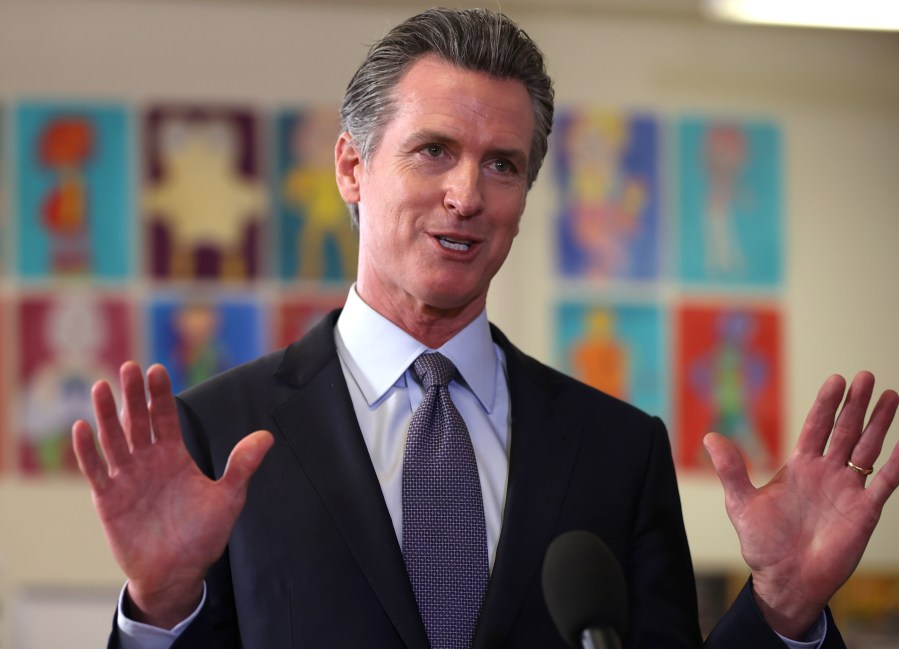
(835, 95)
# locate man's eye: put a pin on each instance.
(433, 150)
(504, 166)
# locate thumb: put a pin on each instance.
(245, 458)
(731, 470)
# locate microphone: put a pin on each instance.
(585, 591)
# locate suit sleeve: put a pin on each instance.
(744, 627)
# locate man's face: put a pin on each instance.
(441, 198)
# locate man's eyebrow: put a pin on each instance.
(429, 135)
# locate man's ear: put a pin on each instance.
(348, 167)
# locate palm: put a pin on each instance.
(807, 518)
(165, 521)
(804, 532)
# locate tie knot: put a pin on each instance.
(434, 369)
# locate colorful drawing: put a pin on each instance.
(316, 238)
(615, 348)
(204, 199)
(198, 338)
(297, 314)
(74, 207)
(66, 343)
(728, 378)
(606, 167)
(730, 203)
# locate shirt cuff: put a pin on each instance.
(137, 635)
(814, 638)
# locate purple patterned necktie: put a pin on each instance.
(444, 535)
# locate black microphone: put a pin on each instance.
(585, 591)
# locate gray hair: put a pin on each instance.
(471, 39)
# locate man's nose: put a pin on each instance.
(463, 192)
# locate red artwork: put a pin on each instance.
(729, 380)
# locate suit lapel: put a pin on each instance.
(541, 460)
(320, 426)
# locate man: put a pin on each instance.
(446, 126)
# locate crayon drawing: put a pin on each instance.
(606, 168)
(731, 229)
(615, 348)
(198, 338)
(66, 342)
(728, 378)
(316, 238)
(74, 206)
(204, 199)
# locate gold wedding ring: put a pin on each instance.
(858, 469)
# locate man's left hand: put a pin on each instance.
(804, 533)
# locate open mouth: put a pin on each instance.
(454, 244)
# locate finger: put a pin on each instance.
(89, 461)
(163, 411)
(819, 421)
(731, 470)
(886, 479)
(848, 427)
(135, 417)
(246, 458)
(869, 446)
(109, 429)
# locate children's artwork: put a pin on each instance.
(74, 198)
(615, 348)
(729, 380)
(731, 229)
(66, 343)
(316, 239)
(296, 315)
(198, 338)
(606, 167)
(204, 197)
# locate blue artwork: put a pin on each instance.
(731, 227)
(74, 195)
(315, 238)
(196, 339)
(618, 349)
(606, 167)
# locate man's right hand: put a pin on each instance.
(165, 521)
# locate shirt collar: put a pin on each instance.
(378, 353)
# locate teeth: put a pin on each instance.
(453, 244)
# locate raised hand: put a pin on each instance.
(804, 533)
(165, 521)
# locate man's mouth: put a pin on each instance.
(454, 244)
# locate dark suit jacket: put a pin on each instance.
(314, 560)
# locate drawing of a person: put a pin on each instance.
(58, 392)
(728, 379)
(66, 145)
(600, 359)
(309, 187)
(724, 159)
(605, 202)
